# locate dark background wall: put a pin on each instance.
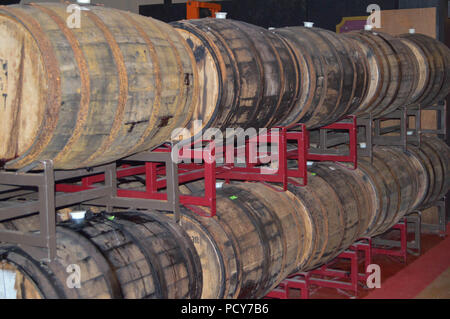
(277, 13)
(6, 2)
(265, 13)
(280, 13)
(327, 14)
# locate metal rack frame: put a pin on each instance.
(329, 276)
(59, 189)
(373, 135)
(441, 227)
(98, 186)
(376, 135)
(42, 244)
(156, 178)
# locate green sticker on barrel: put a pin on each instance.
(233, 197)
(111, 218)
(313, 174)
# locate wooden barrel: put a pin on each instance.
(328, 219)
(86, 96)
(248, 76)
(395, 186)
(361, 69)
(419, 164)
(434, 154)
(423, 72)
(352, 197)
(394, 73)
(15, 284)
(437, 60)
(134, 256)
(258, 238)
(406, 177)
(332, 82)
(335, 216)
(383, 192)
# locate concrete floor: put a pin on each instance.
(438, 289)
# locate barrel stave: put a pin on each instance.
(118, 85)
(135, 256)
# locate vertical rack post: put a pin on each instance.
(48, 209)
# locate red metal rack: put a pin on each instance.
(328, 276)
(347, 279)
(202, 165)
(98, 186)
(253, 171)
(402, 251)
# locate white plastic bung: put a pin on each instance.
(308, 24)
(78, 215)
(412, 31)
(368, 27)
(221, 15)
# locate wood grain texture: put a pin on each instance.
(119, 85)
(424, 21)
(332, 81)
(249, 76)
(135, 256)
(258, 238)
(24, 287)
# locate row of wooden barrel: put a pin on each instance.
(252, 77)
(260, 235)
(123, 83)
(132, 256)
(411, 70)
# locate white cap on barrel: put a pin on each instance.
(412, 31)
(271, 28)
(219, 185)
(84, 1)
(221, 15)
(80, 215)
(308, 24)
(368, 27)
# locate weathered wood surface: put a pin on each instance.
(257, 239)
(438, 60)
(82, 97)
(393, 73)
(332, 82)
(134, 256)
(248, 75)
(23, 287)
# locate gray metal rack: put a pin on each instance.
(34, 190)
